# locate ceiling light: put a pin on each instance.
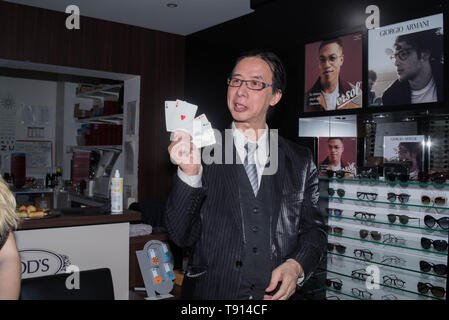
(172, 5)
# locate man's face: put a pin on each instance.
(335, 150)
(408, 65)
(330, 61)
(404, 154)
(250, 106)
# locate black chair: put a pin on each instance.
(94, 284)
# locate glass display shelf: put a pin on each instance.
(389, 265)
(387, 288)
(415, 183)
(391, 226)
(390, 204)
(341, 293)
(380, 243)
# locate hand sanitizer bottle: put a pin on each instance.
(116, 193)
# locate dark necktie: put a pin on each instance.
(250, 166)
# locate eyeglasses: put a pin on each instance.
(336, 283)
(337, 230)
(364, 215)
(442, 222)
(402, 197)
(392, 260)
(438, 292)
(440, 269)
(375, 235)
(361, 293)
(401, 54)
(332, 58)
(366, 196)
(365, 253)
(402, 218)
(393, 280)
(389, 238)
(338, 247)
(392, 176)
(250, 84)
(340, 192)
(339, 174)
(439, 201)
(336, 212)
(439, 245)
(360, 274)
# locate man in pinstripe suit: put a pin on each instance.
(251, 231)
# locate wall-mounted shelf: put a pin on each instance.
(109, 119)
(108, 91)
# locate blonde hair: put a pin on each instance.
(8, 216)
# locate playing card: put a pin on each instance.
(179, 115)
(203, 134)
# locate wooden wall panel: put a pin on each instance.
(39, 35)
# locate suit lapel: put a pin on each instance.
(277, 186)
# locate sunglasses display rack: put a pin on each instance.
(392, 233)
(439, 131)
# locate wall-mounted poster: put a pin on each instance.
(405, 62)
(337, 153)
(407, 149)
(333, 74)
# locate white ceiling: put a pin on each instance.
(188, 17)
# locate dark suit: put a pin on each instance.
(209, 219)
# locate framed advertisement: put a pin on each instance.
(337, 153)
(406, 62)
(333, 74)
(408, 150)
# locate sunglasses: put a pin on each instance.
(439, 245)
(336, 230)
(389, 238)
(340, 192)
(369, 173)
(442, 222)
(402, 218)
(361, 293)
(336, 212)
(440, 269)
(393, 176)
(439, 201)
(338, 247)
(402, 197)
(364, 215)
(375, 235)
(439, 177)
(366, 196)
(438, 292)
(339, 174)
(336, 283)
(365, 253)
(393, 280)
(392, 260)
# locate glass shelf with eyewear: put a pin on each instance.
(414, 224)
(389, 240)
(383, 181)
(375, 294)
(391, 205)
(390, 261)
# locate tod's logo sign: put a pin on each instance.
(40, 262)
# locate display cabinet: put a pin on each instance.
(391, 243)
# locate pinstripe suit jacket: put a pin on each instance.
(209, 220)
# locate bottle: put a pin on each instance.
(116, 193)
(48, 179)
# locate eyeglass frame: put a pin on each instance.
(361, 292)
(391, 238)
(264, 84)
(432, 266)
(430, 286)
(331, 211)
(400, 54)
(366, 195)
(331, 58)
(363, 252)
(397, 197)
(437, 221)
(393, 280)
(334, 246)
(432, 200)
(340, 192)
(432, 243)
(399, 260)
(363, 213)
(401, 217)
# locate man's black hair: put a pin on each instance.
(335, 40)
(275, 64)
(428, 40)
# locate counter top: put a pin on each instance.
(79, 217)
